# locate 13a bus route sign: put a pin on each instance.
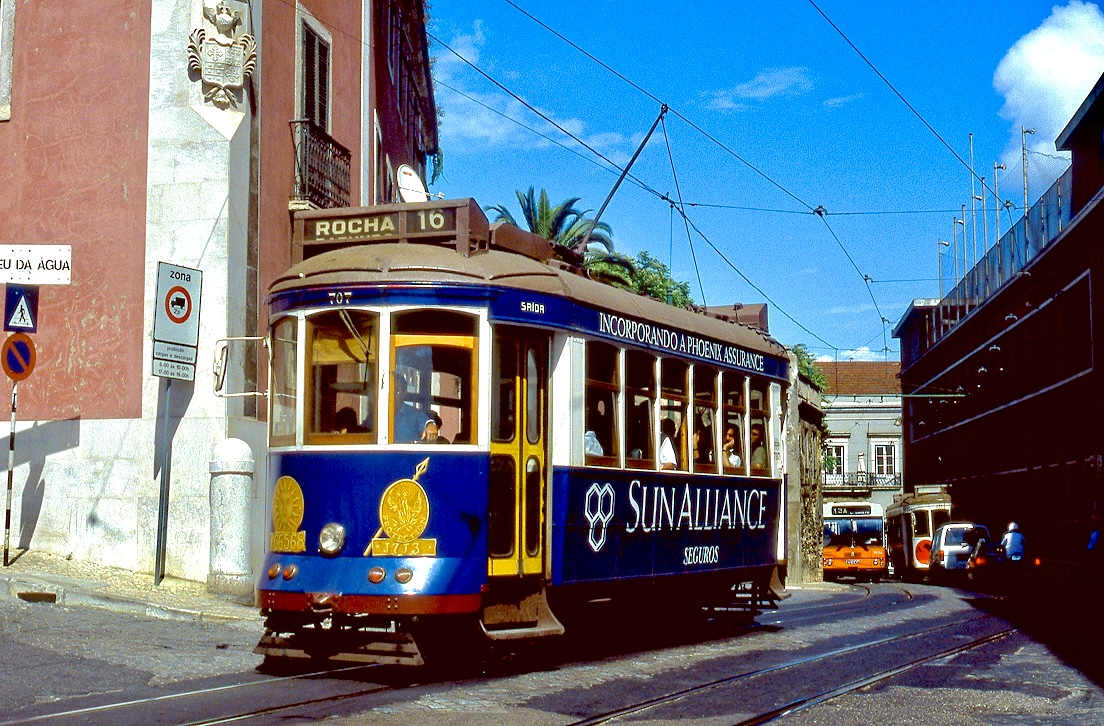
(18, 356)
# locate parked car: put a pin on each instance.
(954, 545)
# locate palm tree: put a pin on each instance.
(563, 224)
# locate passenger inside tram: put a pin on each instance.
(731, 447)
(345, 421)
(703, 441)
(758, 448)
(667, 458)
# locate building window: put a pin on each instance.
(835, 460)
(315, 68)
(7, 46)
(885, 461)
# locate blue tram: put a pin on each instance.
(468, 434)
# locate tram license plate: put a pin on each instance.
(852, 562)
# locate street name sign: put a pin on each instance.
(176, 321)
(36, 264)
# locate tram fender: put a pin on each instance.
(776, 587)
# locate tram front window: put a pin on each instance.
(342, 361)
(432, 381)
(284, 389)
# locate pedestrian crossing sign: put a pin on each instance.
(21, 308)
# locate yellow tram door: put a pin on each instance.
(519, 423)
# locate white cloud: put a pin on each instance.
(1047, 74)
(834, 103)
(850, 310)
(768, 83)
(476, 121)
(862, 354)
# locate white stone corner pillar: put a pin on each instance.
(230, 574)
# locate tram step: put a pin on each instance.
(545, 624)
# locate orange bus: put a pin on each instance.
(854, 540)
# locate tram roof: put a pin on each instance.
(392, 262)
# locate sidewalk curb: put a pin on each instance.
(17, 588)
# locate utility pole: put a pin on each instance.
(1023, 152)
(973, 196)
(939, 262)
(996, 220)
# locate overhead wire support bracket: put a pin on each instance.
(582, 245)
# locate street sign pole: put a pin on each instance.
(11, 473)
(163, 507)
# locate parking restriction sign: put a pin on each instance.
(18, 356)
(176, 321)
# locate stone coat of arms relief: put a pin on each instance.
(222, 56)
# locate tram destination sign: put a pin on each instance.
(381, 225)
(36, 264)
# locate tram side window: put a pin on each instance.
(733, 412)
(640, 393)
(284, 382)
(602, 386)
(672, 413)
(433, 377)
(342, 364)
(920, 524)
(705, 412)
(758, 443)
(939, 518)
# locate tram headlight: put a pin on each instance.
(331, 539)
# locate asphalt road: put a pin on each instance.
(883, 653)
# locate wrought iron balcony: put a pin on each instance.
(862, 480)
(322, 169)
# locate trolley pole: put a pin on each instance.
(11, 474)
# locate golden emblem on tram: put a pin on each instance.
(287, 515)
(403, 516)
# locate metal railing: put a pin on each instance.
(322, 168)
(861, 479)
(1027, 238)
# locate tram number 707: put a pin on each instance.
(340, 297)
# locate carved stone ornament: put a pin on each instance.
(224, 63)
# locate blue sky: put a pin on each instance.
(802, 120)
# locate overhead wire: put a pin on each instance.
(652, 96)
(899, 95)
(644, 186)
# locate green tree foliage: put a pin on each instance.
(612, 268)
(806, 365)
(653, 278)
(563, 224)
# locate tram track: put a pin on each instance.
(273, 690)
(810, 700)
(119, 709)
